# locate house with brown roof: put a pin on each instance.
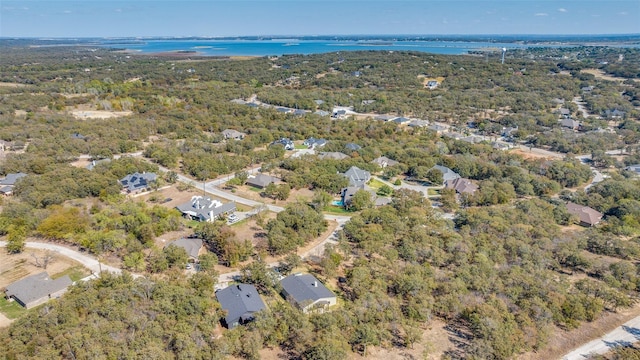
(586, 215)
(461, 186)
(384, 161)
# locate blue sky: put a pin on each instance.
(107, 18)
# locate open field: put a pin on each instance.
(99, 114)
(18, 266)
(602, 75)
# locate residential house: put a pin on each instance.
(384, 117)
(136, 182)
(202, 208)
(240, 302)
(313, 143)
(7, 183)
(570, 124)
(564, 113)
(300, 112)
(587, 88)
(307, 293)
(347, 193)
(233, 134)
(586, 215)
(472, 139)
(261, 181)
(12, 178)
(357, 177)
(384, 161)
(339, 114)
(634, 168)
(419, 123)
(508, 131)
(37, 289)
(367, 102)
(401, 120)
(78, 136)
(447, 174)
(93, 163)
(353, 147)
(284, 110)
(322, 113)
(461, 186)
(318, 102)
(614, 114)
(287, 143)
(333, 155)
(438, 128)
(191, 246)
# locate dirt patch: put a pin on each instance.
(18, 266)
(562, 342)
(99, 114)
(4, 321)
(599, 74)
(11, 85)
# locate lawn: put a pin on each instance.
(375, 184)
(336, 210)
(11, 309)
(301, 147)
(75, 273)
(433, 191)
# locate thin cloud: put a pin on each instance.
(541, 14)
(623, 13)
(562, 10)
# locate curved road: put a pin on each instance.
(87, 261)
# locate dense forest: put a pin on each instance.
(508, 267)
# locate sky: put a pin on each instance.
(115, 18)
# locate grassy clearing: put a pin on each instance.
(75, 273)
(336, 210)
(433, 191)
(375, 184)
(11, 309)
(300, 147)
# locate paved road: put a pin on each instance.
(626, 334)
(87, 261)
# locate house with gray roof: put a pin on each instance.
(447, 174)
(233, 134)
(634, 168)
(37, 289)
(12, 178)
(357, 177)
(307, 293)
(240, 302)
(93, 163)
(352, 147)
(285, 142)
(401, 120)
(384, 161)
(202, 208)
(570, 124)
(191, 246)
(322, 113)
(261, 181)
(137, 182)
(313, 143)
(384, 117)
(334, 155)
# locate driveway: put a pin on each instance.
(86, 260)
(624, 335)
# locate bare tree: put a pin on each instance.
(42, 261)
